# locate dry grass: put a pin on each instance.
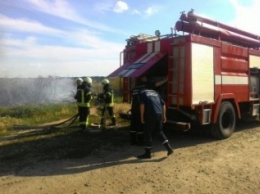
(122, 107)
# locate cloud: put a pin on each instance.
(62, 9)
(25, 25)
(86, 46)
(103, 6)
(35, 65)
(120, 7)
(56, 7)
(89, 53)
(151, 10)
(136, 12)
(30, 48)
(246, 15)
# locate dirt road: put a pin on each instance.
(199, 165)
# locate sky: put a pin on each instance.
(74, 38)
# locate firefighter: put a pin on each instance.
(108, 103)
(83, 97)
(136, 127)
(152, 116)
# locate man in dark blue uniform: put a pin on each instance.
(153, 115)
(136, 127)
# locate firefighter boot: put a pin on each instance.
(168, 148)
(146, 155)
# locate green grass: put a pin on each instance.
(33, 115)
(34, 111)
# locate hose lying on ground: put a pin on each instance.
(70, 120)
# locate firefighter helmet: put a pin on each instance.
(88, 80)
(79, 80)
(105, 81)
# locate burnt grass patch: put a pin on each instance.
(69, 143)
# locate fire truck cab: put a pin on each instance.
(213, 72)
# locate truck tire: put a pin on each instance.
(226, 122)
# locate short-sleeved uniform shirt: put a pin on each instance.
(153, 103)
(136, 92)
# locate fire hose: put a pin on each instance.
(70, 121)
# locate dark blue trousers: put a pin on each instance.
(153, 125)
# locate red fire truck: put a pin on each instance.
(212, 69)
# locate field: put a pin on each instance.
(65, 160)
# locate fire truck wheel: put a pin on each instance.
(226, 122)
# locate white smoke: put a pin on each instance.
(20, 91)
